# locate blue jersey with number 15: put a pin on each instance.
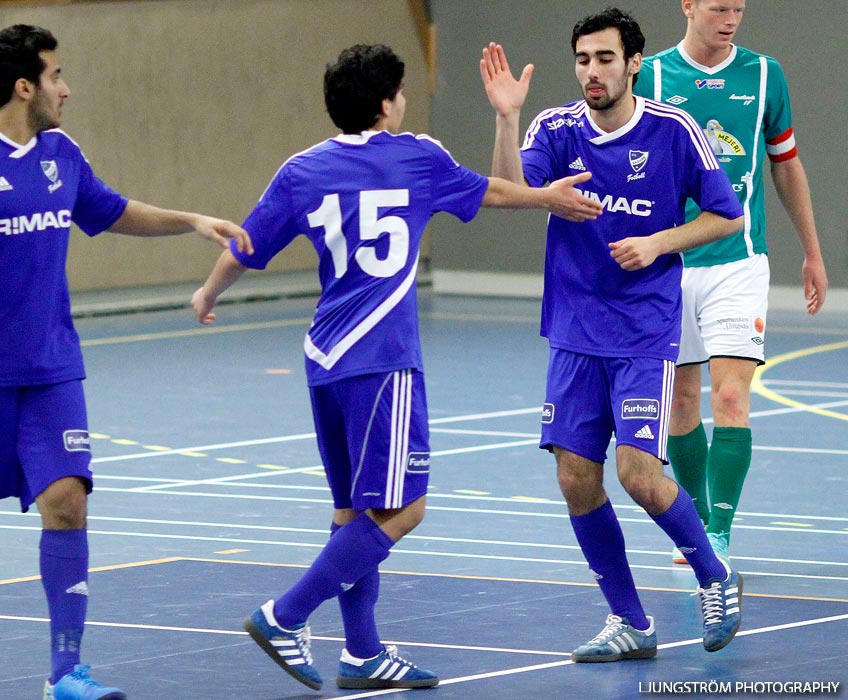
(363, 201)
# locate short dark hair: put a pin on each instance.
(358, 82)
(20, 45)
(612, 18)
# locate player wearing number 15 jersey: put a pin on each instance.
(363, 199)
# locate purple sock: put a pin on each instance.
(682, 524)
(600, 537)
(354, 551)
(357, 606)
(64, 575)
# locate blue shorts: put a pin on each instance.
(590, 398)
(374, 438)
(43, 438)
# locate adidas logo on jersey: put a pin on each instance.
(80, 588)
(577, 164)
(645, 433)
(5, 185)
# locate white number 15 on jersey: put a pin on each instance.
(371, 226)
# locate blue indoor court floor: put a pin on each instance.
(210, 499)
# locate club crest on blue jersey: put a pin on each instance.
(51, 171)
(418, 463)
(638, 160)
(640, 409)
(77, 441)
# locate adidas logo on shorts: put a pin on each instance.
(645, 433)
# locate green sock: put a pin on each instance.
(727, 467)
(688, 457)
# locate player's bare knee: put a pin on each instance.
(730, 404)
(63, 505)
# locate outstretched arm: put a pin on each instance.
(561, 197)
(640, 251)
(226, 272)
(140, 219)
(507, 96)
(790, 181)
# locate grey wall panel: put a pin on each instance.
(807, 38)
(194, 105)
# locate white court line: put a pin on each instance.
(279, 472)
(435, 421)
(413, 552)
(240, 633)
(204, 448)
(483, 511)
(446, 681)
(424, 538)
(302, 436)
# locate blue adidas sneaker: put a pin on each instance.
(721, 606)
(78, 685)
(289, 648)
(386, 670)
(618, 641)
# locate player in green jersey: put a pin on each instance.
(741, 100)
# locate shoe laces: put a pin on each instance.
(392, 653)
(614, 625)
(712, 603)
(80, 673)
(303, 638)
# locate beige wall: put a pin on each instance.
(194, 104)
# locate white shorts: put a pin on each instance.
(724, 311)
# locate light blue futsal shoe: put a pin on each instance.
(78, 685)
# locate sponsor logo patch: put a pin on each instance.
(77, 441)
(548, 413)
(418, 463)
(640, 409)
(710, 84)
(634, 207)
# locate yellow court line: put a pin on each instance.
(758, 386)
(110, 567)
(467, 577)
(164, 335)
(583, 584)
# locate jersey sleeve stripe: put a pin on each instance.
(696, 134)
(536, 124)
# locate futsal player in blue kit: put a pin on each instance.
(363, 199)
(45, 184)
(611, 309)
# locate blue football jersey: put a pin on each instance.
(643, 174)
(44, 186)
(363, 201)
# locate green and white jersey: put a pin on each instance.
(743, 106)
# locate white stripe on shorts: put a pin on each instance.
(665, 411)
(399, 438)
